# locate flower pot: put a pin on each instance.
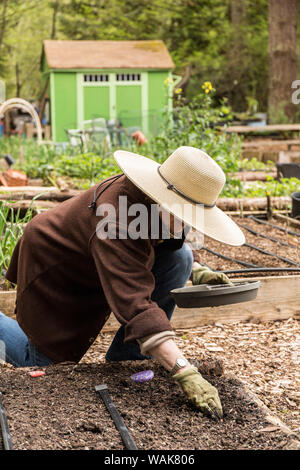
(296, 205)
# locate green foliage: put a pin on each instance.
(11, 230)
(27, 24)
(35, 160)
(87, 166)
(282, 187)
(272, 187)
(254, 164)
(278, 113)
(198, 33)
(197, 125)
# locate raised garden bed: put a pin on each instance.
(252, 256)
(276, 298)
(62, 411)
(48, 197)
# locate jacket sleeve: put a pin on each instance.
(124, 269)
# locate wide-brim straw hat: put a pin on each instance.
(189, 177)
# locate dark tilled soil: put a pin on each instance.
(61, 410)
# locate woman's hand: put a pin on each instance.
(200, 392)
(196, 389)
(204, 275)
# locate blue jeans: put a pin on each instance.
(16, 348)
(171, 270)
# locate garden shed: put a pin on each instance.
(128, 81)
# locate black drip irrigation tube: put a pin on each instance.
(272, 239)
(260, 221)
(4, 427)
(228, 258)
(260, 270)
(281, 258)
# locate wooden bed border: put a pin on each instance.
(278, 299)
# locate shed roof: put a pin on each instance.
(107, 55)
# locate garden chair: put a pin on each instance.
(77, 137)
(96, 131)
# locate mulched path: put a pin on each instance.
(62, 411)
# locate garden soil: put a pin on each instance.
(252, 256)
(61, 410)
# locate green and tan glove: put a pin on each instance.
(200, 392)
(204, 275)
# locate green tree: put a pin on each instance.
(224, 41)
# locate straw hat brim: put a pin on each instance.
(214, 223)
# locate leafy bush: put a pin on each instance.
(87, 166)
(198, 125)
(35, 160)
(272, 187)
(255, 164)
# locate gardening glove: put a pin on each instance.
(200, 392)
(204, 275)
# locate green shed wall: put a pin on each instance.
(64, 104)
(157, 99)
(73, 101)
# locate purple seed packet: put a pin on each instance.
(143, 376)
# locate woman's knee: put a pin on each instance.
(173, 267)
(183, 262)
(185, 258)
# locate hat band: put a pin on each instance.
(173, 188)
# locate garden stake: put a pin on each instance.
(4, 427)
(120, 425)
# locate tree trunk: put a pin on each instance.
(186, 78)
(236, 54)
(18, 83)
(283, 61)
(237, 12)
(42, 103)
(54, 16)
(43, 98)
(3, 22)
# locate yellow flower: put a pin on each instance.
(168, 81)
(225, 110)
(178, 91)
(207, 87)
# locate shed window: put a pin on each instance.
(96, 78)
(128, 77)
